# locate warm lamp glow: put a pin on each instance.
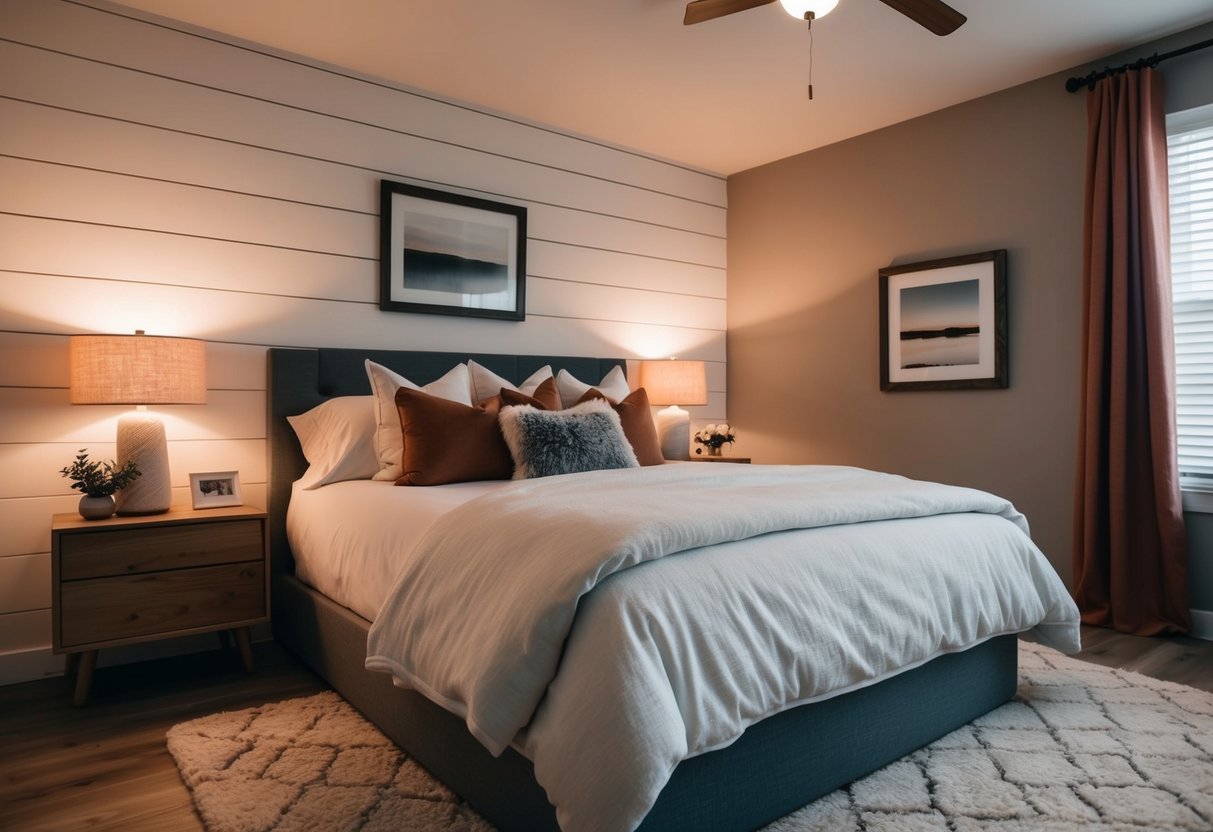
(800, 9)
(136, 369)
(674, 382)
(140, 370)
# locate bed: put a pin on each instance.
(777, 764)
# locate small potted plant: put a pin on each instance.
(98, 481)
(714, 437)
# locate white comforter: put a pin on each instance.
(867, 575)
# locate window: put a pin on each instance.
(1190, 167)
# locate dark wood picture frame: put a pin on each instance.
(465, 255)
(943, 324)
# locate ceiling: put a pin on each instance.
(721, 96)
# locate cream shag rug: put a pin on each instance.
(1081, 748)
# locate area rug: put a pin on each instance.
(1081, 748)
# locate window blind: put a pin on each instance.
(1190, 169)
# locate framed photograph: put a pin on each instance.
(943, 324)
(212, 490)
(449, 254)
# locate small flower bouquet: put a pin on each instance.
(714, 437)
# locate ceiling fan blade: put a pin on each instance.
(701, 10)
(934, 15)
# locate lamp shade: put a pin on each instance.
(674, 382)
(136, 369)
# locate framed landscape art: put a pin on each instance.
(449, 254)
(943, 324)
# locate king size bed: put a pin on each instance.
(739, 715)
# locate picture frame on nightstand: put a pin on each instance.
(215, 489)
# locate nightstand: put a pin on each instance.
(132, 579)
(743, 460)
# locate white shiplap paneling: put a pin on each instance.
(166, 179)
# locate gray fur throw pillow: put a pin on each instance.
(587, 437)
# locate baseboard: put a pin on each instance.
(28, 665)
(1202, 625)
(41, 663)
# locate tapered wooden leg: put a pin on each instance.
(84, 676)
(71, 663)
(246, 648)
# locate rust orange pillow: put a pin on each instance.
(545, 397)
(446, 441)
(637, 420)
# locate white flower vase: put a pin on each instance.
(715, 450)
(96, 508)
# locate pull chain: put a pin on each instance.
(808, 18)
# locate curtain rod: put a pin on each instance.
(1079, 81)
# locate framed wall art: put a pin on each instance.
(215, 489)
(449, 254)
(943, 324)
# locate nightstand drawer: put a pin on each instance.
(104, 609)
(132, 551)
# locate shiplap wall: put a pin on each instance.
(158, 177)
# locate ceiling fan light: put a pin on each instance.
(800, 9)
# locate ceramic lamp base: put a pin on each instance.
(141, 440)
(674, 430)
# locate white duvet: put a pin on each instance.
(721, 595)
(349, 538)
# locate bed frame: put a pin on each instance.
(776, 766)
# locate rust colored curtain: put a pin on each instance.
(1130, 558)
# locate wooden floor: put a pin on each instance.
(1188, 661)
(105, 766)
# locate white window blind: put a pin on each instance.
(1190, 167)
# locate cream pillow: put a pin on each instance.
(338, 440)
(486, 383)
(455, 386)
(614, 386)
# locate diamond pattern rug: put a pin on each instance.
(1081, 748)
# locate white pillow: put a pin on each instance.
(338, 440)
(614, 386)
(389, 440)
(486, 383)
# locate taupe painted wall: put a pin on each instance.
(807, 236)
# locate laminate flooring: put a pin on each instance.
(1188, 661)
(105, 766)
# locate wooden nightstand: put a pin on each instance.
(132, 579)
(743, 460)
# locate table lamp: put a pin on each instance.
(139, 370)
(674, 382)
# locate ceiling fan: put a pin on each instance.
(934, 15)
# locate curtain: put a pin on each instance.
(1130, 552)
